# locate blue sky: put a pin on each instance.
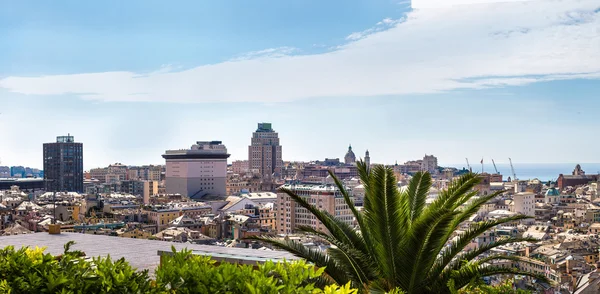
(131, 79)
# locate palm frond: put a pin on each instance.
(357, 263)
(315, 256)
(473, 207)
(382, 213)
(469, 256)
(337, 228)
(454, 195)
(427, 238)
(467, 274)
(357, 215)
(464, 239)
(418, 189)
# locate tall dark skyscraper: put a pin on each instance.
(63, 165)
(264, 152)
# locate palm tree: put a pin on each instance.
(402, 243)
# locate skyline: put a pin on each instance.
(503, 165)
(131, 80)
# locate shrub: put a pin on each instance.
(183, 272)
(32, 271)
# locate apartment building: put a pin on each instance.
(324, 196)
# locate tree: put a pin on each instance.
(402, 243)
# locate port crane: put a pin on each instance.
(495, 168)
(512, 168)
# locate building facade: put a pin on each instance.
(524, 203)
(264, 152)
(429, 164)
(198, 171)
(240, 166)
(63, 165)
(289, 214)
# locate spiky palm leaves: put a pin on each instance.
(402, 243)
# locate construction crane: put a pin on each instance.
(468, 165)
(495, 167)
(512, 168)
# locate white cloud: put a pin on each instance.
(267, 53)
(420, 4)
(478, 46)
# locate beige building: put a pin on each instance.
(264, 152)
(240, 167)
(429, 164)
(162, 217)
(114, 173)
(524, 203)
(326, 197)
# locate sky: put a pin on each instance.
(131, 79)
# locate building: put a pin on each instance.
(5, 172)
(552, 196)
(409, 167)
(198, 171)
(145, 173)
(63, 165)
(140, 188)
(328, 197)
(24, 184)
(112, 174)
(350, 158)
(429, 164)
(240, 166)
(367, 159)
(264, 152)
(524, 203)
(577, 178)
(161, 217)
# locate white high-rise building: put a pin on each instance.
(198, 171)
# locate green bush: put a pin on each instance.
(183, 272)
(32, 271)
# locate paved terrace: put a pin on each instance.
(140, 253)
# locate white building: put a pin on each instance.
(524, 203)
(198, 171)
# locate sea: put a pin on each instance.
(526, 171)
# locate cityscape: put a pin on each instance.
(298, 146)
(199, 197)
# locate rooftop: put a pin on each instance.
(140, 253)
(264, 128)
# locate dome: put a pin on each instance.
(350, 157)
(552, 192)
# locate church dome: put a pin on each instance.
(552, 192)
(350, 157)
